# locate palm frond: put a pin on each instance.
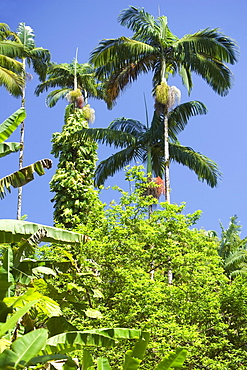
(206, 169)
(158, 162)
(55, 95)
(141, 23)
(216, 74)
(39, 58)
(179, 116)
(106, 136)
(11, 81)
(115, 163)
(128, 125)
(236, 258)
(10, 63)
(185, 74)
(4, 31)
(117, 53)
(124, 76)
(23, 176)
(26, 36)
(12, 49)
(54, 82)
(62, 76)
(210, 42)
(239, 272)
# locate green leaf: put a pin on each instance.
(23, 176)
(29, 345)
(12, 231)
(10, 323)
(8, 359)
(87, 360)
(8, 265)
(4, 311)
(173, 360)
(70, 365)
(134, 357)
(130, 362)
(8, 148)
(58, 324)
(67, 342)
(45, 304)
(4, 283)
(103, 364)
(43, 359)
(11, 124)
(43, 270)
(94, 314)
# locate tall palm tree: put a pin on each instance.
(146, 144)
(39, 59)
(69, 77)
(10, 69)
(155, 48)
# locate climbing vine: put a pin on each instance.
(75, 199)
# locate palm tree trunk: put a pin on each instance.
(167, 160)
(75, 71)
(21, 154)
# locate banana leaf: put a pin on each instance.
(23, 176)
(14, 231)
(67, 342)
(11, 124)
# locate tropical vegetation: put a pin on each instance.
(124, 285)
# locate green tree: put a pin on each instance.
(190, 313)
(10, 69)
(155, 48)
(38, 58)
(140, 142)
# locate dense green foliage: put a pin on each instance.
(75, 199)
(115, 271)
(194, 310)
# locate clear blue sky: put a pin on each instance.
(62, 26)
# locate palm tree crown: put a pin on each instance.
(155, 48)
(63, 76)
(136, 141)
(37, 57)
(10, 69)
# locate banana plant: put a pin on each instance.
(35, 348)
(7, 128)
(24, 236)
(26, 174)
(133, 358)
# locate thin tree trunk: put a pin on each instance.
(167, 160)
(75, 71)
(21, 153)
